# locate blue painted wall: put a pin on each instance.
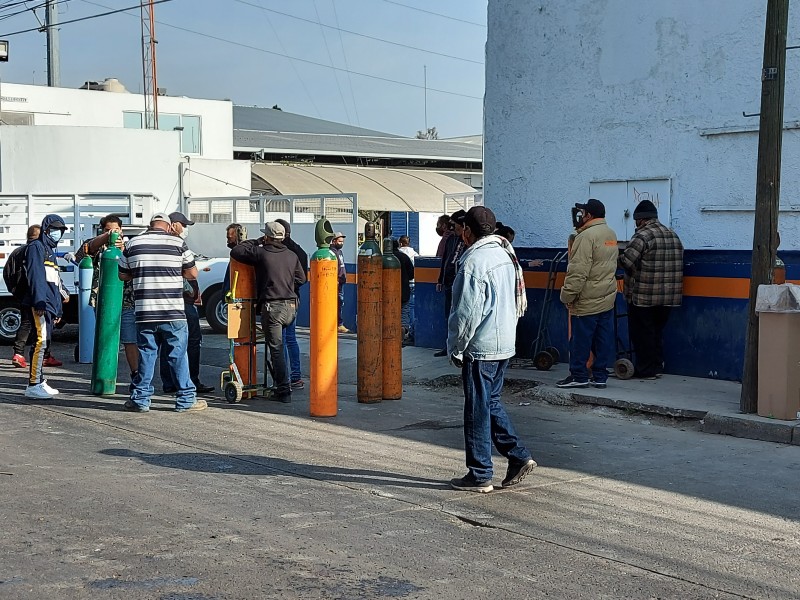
(704, 337)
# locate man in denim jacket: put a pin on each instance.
(488, 299)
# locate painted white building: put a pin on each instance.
(628, 100)
(61, 140)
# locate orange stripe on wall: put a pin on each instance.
(703, 287)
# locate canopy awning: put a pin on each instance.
(401, 190)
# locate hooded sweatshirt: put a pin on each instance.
(44, 279)
(278, 270)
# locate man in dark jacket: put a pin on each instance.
(289, 333)
(337, 243)
(453, 248)
(278, 275)
(406, 277)
(43, 299)
(25, 334)
(653, 264)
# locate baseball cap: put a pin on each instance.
(593, 207)
(480, 220)
(181, 218)
(286, 225)
(161, 217)
(338, 234)
(274, 230)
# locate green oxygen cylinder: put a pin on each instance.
(109, 314)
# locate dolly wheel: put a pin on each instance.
(623, 368)
(233, 392)
(553, 351)
(76, 354)
(543, 361)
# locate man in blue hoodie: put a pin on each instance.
(43, 299)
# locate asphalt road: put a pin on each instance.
(257, 500)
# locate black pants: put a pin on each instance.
(194, 343)
(26, 336)
(646, 325)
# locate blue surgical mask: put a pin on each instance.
(56, 234)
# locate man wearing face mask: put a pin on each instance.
(589, 293)
(43, 299)
(337, 243)
(191, 295)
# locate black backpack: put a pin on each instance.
(14, 273)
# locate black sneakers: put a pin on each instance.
(571, 382)
(517, 472)
(470, 484)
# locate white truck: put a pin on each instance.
(82, 214)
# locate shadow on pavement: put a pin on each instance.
(248, 464)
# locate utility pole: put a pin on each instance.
(768, 179)
(425, 79)
(53, 58)
(149, 74)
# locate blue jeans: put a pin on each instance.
(292, 350)
(194, 343)
(173, 337)
(592, 333)
(341, 303)
(485, 419)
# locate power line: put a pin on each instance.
(363, 35)
(435, 13)
(302, 60)
(330, 58)
(105, 14)
(294, 66)
(346, 66)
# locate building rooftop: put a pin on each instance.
(255, 118)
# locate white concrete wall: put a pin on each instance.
(66, 106)
(69, 160)
(594, 90)
(207, 178)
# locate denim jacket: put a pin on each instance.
(483, 320)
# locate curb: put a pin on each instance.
(753, 427)
(743, 426)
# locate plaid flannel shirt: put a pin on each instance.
(653, 264)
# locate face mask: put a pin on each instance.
(231, 244)
(184, 234)
(338, 245)
(55, 235)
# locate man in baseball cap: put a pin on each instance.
(453, 248)
(163, 217)
(278, 276)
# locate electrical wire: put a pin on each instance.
(78, 20)
(363, 35)
(346, 66)
(330, 58)
(302, 60)
(429, 12)
(294, 66)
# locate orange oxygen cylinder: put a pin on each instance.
(392, 325)
(324, 320)
(370, 319)
(242, 323)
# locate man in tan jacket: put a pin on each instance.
(589, 293)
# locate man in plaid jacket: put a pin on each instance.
(653, 265)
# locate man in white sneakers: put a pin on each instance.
(43, 299)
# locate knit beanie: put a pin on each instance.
(645, 210)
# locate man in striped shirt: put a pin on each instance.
(157, 262)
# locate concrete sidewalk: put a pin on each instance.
(715, 403)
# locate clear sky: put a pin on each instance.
(243, 63)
